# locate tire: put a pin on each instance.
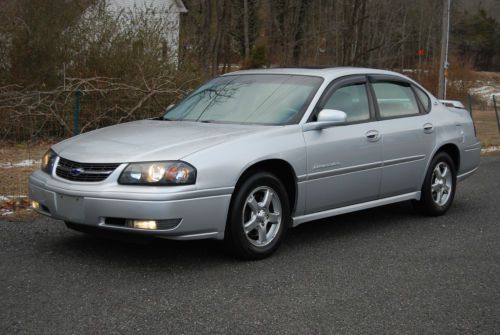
(256, 227)
(438, 190)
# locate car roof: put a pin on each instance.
(326, 73)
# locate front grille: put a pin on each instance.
(87, 172)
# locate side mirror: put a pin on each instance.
(326, 118)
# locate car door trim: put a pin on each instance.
(356, 207)
(346, 170)
(362, 167)
(467, 174)
(403, 160)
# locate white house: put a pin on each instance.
(170, 10)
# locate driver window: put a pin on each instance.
(351, 99)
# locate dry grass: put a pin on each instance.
(14, 179)
(488, 76)
(17, 152)
(487, 130)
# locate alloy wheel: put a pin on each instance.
(441, 183)
(262, 216)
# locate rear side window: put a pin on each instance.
(424, 99)
(351, 99)
(395, 99)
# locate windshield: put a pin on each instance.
(258, 99)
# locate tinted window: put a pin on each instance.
(351, 99)
(264, 99)
(395, 99)
(424, 98)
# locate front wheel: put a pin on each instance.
(439, 186)
(258, 217)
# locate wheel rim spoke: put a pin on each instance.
(251, 224)
(435, 187)
(268, 197)
(437, 171)
(262, 234)
(253, 204)
(444, 172)
(440, 196)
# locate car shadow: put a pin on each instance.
(374, 219)
(140, 252)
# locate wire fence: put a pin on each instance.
(79, 106)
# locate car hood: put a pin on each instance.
(149, 140)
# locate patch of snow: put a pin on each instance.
(486, 93)
(10, 197)
(27, 162)
(490, 149)
(24, 163)
(7, 213)
(481, 90)
(414, 71)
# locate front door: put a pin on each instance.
(344, 161)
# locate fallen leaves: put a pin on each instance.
(10, 206)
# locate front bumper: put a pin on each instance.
(199, 213)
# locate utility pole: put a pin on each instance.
(445, 34)
(245, 29)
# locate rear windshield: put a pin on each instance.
(248, 99)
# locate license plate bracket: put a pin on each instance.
(70, 207)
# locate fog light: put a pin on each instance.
(35, 204)
(142, 224)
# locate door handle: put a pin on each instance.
(428, 128)
(372, 135)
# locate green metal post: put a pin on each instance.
(76, 114)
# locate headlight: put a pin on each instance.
(158, 173)
(48, 161)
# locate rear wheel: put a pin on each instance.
(258, 217)
(439, 186)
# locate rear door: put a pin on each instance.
(407, 133)
(344, 161)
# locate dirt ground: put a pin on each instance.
(17, 162)
(487, 130)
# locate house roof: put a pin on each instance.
(180, 8)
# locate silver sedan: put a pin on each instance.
(252, 153)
